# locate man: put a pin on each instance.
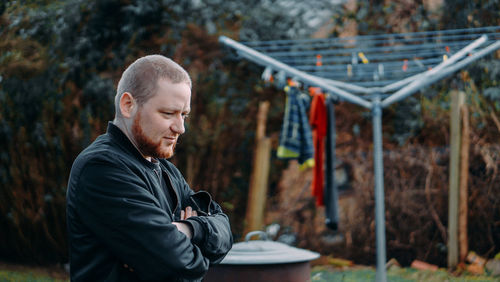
(131, 215)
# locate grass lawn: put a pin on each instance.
(18, 273)
(14, 272)
(324, 274)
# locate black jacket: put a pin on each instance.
(119, 221)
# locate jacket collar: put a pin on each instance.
(122, 140)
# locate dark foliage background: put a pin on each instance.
(60, 62)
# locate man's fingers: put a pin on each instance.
(189, 212)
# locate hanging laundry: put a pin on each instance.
(331, 190)
(296, 137)
(318, 121)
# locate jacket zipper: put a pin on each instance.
(171, 186)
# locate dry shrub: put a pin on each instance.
(416, 206)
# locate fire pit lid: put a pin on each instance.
(266, 252)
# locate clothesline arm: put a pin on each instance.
(431, 77)
(265, 60)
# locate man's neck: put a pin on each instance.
(120, 123)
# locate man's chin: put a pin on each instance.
(166, 154)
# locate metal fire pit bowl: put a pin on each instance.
(263, 260)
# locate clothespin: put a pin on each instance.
(445, 57)
(314, 90)
(405, 65)
(319, 63)
(381, 70)
(363, 58)
(293, 82)
(447, 48)
(281, 79)
(349, 70)
(267, 75)
(354, 59)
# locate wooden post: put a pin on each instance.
(260, 173)
(464, 177)
(453, 195)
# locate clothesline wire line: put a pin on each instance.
(384, 57)
(378, 49)
(367, 43)
(481, 30)
(373, 64)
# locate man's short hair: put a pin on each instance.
(141, 78)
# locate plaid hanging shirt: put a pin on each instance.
(296, 137)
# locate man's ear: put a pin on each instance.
(127, 105)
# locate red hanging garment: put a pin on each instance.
(318, 121)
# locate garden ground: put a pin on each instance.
(12, 272)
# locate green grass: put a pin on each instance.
(16, 272)
(14, 276)
(318, 274)
(322, 274)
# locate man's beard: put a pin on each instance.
(147, 146)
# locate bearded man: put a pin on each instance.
(131, 215)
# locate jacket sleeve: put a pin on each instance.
(211, 229)
(117, 206)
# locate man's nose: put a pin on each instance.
(178, 125)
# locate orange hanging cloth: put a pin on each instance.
(318, 121)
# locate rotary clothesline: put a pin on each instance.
(372, 60)
(351, 92)
(382, 86)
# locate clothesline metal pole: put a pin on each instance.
(292, 72)
(348, 86)
(378, 164)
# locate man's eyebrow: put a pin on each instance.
(168, 108)
(172, 109)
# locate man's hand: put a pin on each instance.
(188, 213)
(184, 227)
